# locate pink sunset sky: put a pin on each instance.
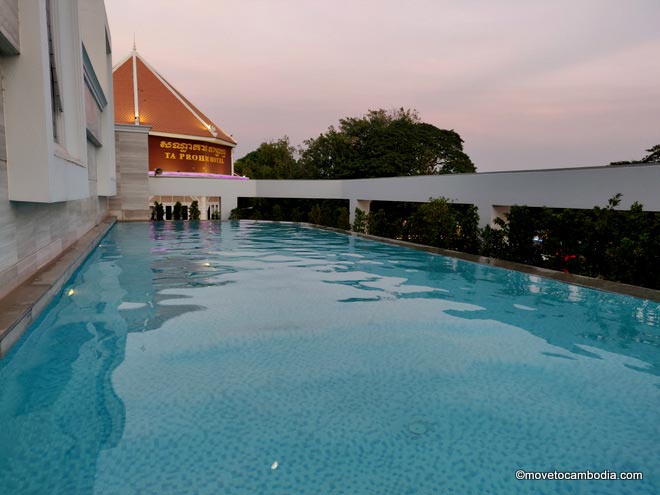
(526, 83)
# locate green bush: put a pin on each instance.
(176, 211)
(314, 215)
(442, 224)
(158, 213)
(343, 221)
(360, 222)
(194, 213)
(603, 242)
(494, 242)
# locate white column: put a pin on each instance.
(227, 203)
(202, 208)
(360, 204)
(497, 211)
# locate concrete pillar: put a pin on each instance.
(361, 204)
(203, 208)
(132, 175)
(227, 203)
(485, 211)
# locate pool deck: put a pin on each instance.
(23, 305)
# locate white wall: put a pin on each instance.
(93, 31)
(41, 168)
(558, 188)
(48, 191)
(9, 41)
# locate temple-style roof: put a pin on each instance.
(142, 96)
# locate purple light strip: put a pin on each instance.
(196, 175)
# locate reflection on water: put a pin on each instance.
(205, 348)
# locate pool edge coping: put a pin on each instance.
(567, 278)
(23, 305)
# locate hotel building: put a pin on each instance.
(160, 133)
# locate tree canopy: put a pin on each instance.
(271, 160)
(385, 144)
(379, 144)
(653, 156)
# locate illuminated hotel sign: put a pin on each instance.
(186, 155)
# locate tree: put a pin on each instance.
(315, 215)
(494, 240)
(343, 221)
(176, 211)
(158, 211)
(278, 216)
(604, 242)
(434, 224)
(360, 223)
(271, 160)
(194, 210)
(525, 234)
(378, 224)
(385, 144)
(653, 155)
(467, 238)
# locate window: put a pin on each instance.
(55, 93)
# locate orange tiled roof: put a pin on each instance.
(159, 104)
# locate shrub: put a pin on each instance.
(314, 215)
(176, 211)
(193, 214)
(343, 221)
(360, 222)
(158, 210)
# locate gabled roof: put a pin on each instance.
(142, 96)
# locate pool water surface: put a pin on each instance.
(262, 358)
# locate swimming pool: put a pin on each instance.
(257, 358)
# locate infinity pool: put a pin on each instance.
(257, 358)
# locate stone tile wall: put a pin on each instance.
(33, 234)
(132, 155)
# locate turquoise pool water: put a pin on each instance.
(184, 360)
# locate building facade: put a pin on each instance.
(160, 133)
(57, 153)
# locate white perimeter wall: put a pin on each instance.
(559, 188)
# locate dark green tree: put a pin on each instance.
(194, 210)
(467, 238)
(176, 211)
(494, 241)
(343, 221)
(604, 242)
(271, 160)
(360, 222)
(653, 155)
(526, 234)
(278, 216)
(315, 214)
(379, 224)
(158, 211)
(384, 144)
(434, 224)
